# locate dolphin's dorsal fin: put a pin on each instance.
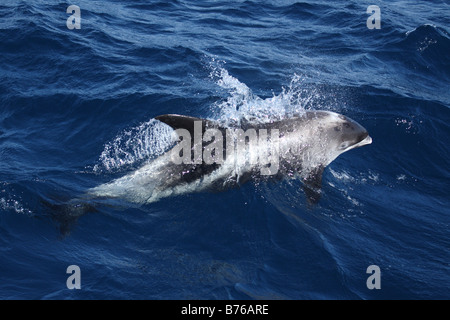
(312, 185)
(177, 121)
(195, 171)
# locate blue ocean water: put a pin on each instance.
(76, 110)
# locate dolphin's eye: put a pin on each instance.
(344, 145)
(346, 125)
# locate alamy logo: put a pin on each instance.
(374, 21)
(74, 281)
(374, 281)
(74, 21)
(254, 147)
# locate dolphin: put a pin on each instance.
(201, 160)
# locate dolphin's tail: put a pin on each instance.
(66, 214)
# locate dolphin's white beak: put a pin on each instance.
(367, 140)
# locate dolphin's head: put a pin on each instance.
(334, 134)
(348, 134)
(343, 133)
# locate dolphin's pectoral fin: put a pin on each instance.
(312, 185)
(67, 214)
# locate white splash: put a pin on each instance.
(14, 205)
(343, 176)
(242, 103)
(144, 142)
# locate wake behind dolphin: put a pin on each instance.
(206, 157)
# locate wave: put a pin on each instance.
(429, 46)
(418, 57)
